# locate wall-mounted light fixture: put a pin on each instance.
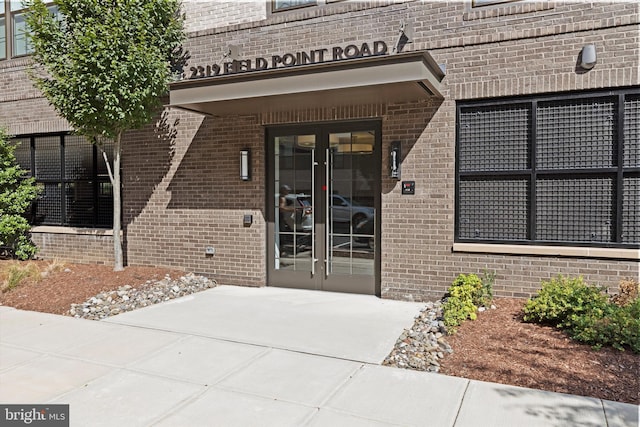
(394, 160)
(232, 52)
(588, 57)
(245, 164)
(405, 35)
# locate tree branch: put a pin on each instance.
(106, 161)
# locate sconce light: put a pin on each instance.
(588, 57)
(405, 35)
(245, 164)
(394, 160)
(232, 52)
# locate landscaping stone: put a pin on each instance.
(128, 298)
(422, 346)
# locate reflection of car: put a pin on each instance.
(302, 219)
(344, 209)
(365, 228)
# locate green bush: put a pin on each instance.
(562, 300)
(586, 314)
(619, 327)
(16, 195)
(464, 293)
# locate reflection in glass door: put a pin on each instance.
(324, 207)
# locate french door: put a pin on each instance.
(324, 206)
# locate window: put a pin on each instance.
(550, 170)
(19, 39)
(3, 36)
(278, 5)
(480, 3)
(14, 40)
(76, 190)
(284, 5)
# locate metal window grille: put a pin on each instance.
(80, 203)
(581, 186)
(576, 134)
(23, 154)
(48, 207)
(574, 210)
(631, 210)
(494, 138)
(78, 158)
(632, 132)
(48, 158)
(76, 189)
(494, 209)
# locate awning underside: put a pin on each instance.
(380, 79)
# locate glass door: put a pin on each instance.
(323, 215)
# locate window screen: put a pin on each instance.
(574, 209)
(576, 134)
(76, 190)
(48, 158)
(494, 209)
(631, 210)
(632, 132)
(581, 186)
(490, 134)
(23, 154)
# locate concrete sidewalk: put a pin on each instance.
(259, 357)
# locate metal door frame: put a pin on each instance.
(321, 281)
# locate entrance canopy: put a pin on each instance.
(401, 77)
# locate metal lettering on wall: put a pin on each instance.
(315, 56)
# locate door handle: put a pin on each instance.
(314, 259)
(328, 222)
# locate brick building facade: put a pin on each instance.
(488, 193)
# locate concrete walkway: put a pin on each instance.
(233, 356)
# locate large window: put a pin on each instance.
(19, 34)
(76, 190)
(550, 170)
(3, 36)
(14, 34)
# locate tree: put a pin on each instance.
(16, 195)
(104, 65)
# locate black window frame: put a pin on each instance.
(534, 175)
(101, 196)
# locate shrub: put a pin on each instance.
(464, 293)
(562, 300)
(16, 195)
(586, 314)
(619, 327)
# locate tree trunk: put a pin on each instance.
(117, 206)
